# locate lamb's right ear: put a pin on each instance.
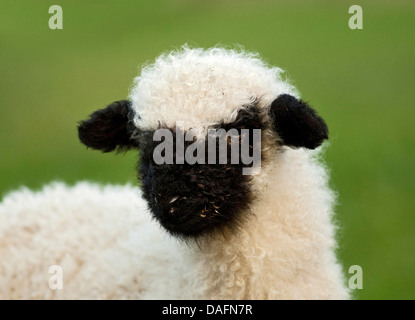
(109, 128)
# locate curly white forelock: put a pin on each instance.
(201, 87)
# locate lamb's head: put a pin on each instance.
(178, 106)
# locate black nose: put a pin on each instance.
(192, 200)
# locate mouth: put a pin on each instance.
(188, 216)
(190, 201)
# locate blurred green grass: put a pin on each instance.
(361, 81)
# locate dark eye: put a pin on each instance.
(248, 117)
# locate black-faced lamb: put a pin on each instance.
(259, 227)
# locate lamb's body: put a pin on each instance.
(109, 247)
(282, 244)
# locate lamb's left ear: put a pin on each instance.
(297, 124)
(109, 128)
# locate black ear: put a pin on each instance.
(297, 124)
(109, 128)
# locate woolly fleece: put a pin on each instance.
(108, 246)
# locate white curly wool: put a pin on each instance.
(203, 87)
(108, 246)
(101, 237)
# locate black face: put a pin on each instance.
(195, 199)
(191, 200)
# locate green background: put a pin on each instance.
(360, 81)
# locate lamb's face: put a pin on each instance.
(192, 192)
(175, 106)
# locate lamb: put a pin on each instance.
(192, 230)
